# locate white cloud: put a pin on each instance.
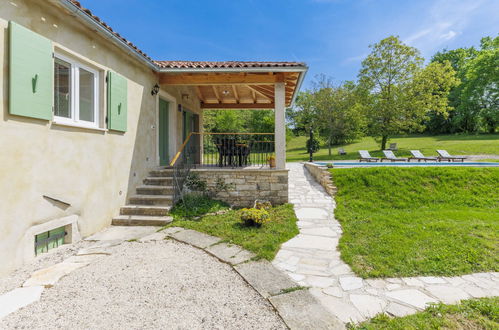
(449, 35)
(446, 20)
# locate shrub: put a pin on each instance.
(196, 205)
(254, 217)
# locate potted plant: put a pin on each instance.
(271, 161)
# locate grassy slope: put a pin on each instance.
(454, 144)
(470, 314)
(264, 241)
(418, 221)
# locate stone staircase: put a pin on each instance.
(152, 203)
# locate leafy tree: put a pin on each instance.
(339, 110)
(399, 91)
(480, 91)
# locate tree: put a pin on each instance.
(399, 91)
(480, 91)
(339, 110)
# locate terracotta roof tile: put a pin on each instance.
(102, 23)
(224, 64)
(189, 64)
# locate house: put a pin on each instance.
(88, 119)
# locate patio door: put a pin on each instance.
(191, 124)
(164, 156)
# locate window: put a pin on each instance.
(76, 97)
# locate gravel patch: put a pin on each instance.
(162, 284)
(16, 278)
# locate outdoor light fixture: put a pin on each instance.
(225, 92)
(155, 90)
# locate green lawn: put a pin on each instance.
(469, 314)
(418, 221)
(454, 144)
(264, 241)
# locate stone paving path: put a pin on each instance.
(312, 259)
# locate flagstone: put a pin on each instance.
(351, 283)
(47, 277)
(19, 298)
(447, 294)
(368, 305)
(399, 310)
(411, 297)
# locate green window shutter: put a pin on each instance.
(31, 73)
(117, 97)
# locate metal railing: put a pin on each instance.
(185, 159)
(238, 149)
(221, 150)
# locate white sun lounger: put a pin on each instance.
(418, 155)
(366, 157)
(444, 155)
(389, 155)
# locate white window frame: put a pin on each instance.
(75, 95)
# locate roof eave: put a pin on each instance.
(107, 34)
(235, 70)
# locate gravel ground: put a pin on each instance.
(154, 285)
(16, 278)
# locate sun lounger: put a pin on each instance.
(341, 151)
(444, 155)
(393, 147)
(366, 157)
(389, 155)
(417, 155)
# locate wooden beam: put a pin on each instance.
(236, 95)
(219, 79)
(264, 92)
(215, 90)
(271, 98)
(199, 94)
(253, 94)
(237, 106)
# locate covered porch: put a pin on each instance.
(229, 86)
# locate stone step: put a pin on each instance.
(154, 190)
(145, 210)
(159, 180)
(151, 200)
(141, 220)
(162, 172)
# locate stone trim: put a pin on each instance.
(296, 306)
(322, 175)
(248, 185)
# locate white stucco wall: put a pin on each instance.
(94, 171)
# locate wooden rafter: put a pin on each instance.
(270, 98)
(217, 95)
(236, 94)
(199, 93)
(263, 92)
(221, 79)
(238, 106)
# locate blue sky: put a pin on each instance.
(331, 36)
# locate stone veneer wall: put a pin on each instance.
(322, 176)
(248, 185)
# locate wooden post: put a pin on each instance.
(280, 126)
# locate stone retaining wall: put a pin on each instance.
(322, 176)
(248, 185)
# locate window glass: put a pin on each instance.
(62, 88)
(87, 90)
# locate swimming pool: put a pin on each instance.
(406, 164)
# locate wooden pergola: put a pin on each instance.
(241, 85)
(239, 90)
